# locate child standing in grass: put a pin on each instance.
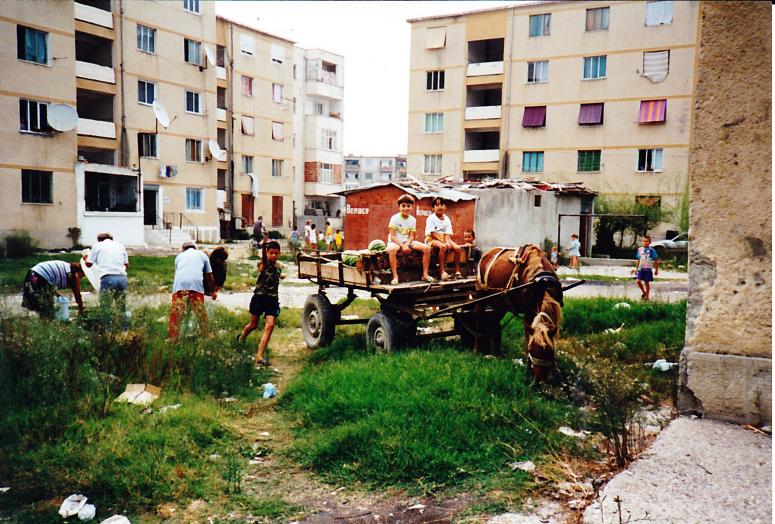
(648, 259)
(265, 299)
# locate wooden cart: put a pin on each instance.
(401, 306)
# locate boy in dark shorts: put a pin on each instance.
(265, 299)
(648, 259)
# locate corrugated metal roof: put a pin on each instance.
(417, 189)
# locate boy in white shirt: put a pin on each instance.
(403, 227)
(438, 233)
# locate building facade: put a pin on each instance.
(594, 92)
(137, 117)
(365, 170)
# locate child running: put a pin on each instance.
(265, 299)
(438, 234)
(403, 227)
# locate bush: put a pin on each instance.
(275, 235)
(19, 244)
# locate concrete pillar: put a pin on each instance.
(726, 365)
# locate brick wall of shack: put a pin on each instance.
(726, 366)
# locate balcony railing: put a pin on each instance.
(483, 112)
(93, 15)
(481, 155)
(99, 128)
(485, 68)
(95, 72)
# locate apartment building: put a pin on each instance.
(366, 170)
(135, 117)
(596, 92)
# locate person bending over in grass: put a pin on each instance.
(265, 299)
(438, 234)
(192, 267)
(403, 227)
(648, 259)
(42, 282)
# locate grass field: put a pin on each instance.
(433, 420)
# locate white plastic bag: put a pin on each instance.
(87, 512)
(72, 505)
(63, 309)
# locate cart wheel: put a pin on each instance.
(318, 321)
(382, 332)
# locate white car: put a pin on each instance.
(673, 245)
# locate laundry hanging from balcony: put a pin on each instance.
(167, 171)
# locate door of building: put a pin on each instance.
(277, 211)
(247, 209)
(149, 206)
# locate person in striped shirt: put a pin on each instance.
(44, 279)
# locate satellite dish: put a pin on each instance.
(215, 149)
(210, 55)
(62, 117)
(161, 114)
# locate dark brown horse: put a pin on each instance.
(501, 269)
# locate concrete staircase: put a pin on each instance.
(167, 237)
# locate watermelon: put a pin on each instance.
(377, 245)
(350, 258)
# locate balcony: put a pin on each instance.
(485, 68)
(321, 188)
(93, 15)
(324, 90)
(98, 128)
(95, 72)
(481, 155)
(483, 112)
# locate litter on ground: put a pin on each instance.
(142, 394)
(116, 519)
(72, 505)
(526, 465)
(622, 305)
(87, 512)
(565, 430)
(663, 365)
(270, 390)
(166, 408)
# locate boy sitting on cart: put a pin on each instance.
(403, 228)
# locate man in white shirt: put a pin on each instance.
(191, 268)
(111, 261)
(438, 234)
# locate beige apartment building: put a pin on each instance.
(595, 92)
(366, 170)
(157, 121)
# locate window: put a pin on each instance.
(534, 116)
(650, 159)
(110, 193)
(146, 92)
(193, 199)
(537, 72)
(434, 122)
(220, 56)
(193, 150)
(221, 180)
(594, 67)
(432, 165)
(247, 45)
(31, 45)
(656, 65)
(36, 186)
(539, 24)
(278, 131)
(191, 5)
(222, 138)
(367, 176)
(591, 114)
(659, 13)
(277, 53)
(597, 19)
(247, 164)
(537, 201)
(247, 124)
(434, 80)
(329, 139)
(326, 173)
(192, 51)
(33, 117)
(277, 167)
(435, 37)
(146, 39)
(148, 144)
(277, 93)
(653, 112)
(317, 108)
(192, 103)
(247, 85)
(533, 162)
(589, 160)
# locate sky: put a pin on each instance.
(373, 37)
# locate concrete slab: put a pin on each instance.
(697, 471)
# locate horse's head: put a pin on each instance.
(542, 340)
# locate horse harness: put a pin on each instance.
(547, 279)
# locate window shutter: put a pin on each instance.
(656, 65)
(435, 37)
(247, 125)
(277, 53)
(659, 13)
(247, 44)
(277, 131)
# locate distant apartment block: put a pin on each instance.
(366, 170)
(195, 133)
(596, 92)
